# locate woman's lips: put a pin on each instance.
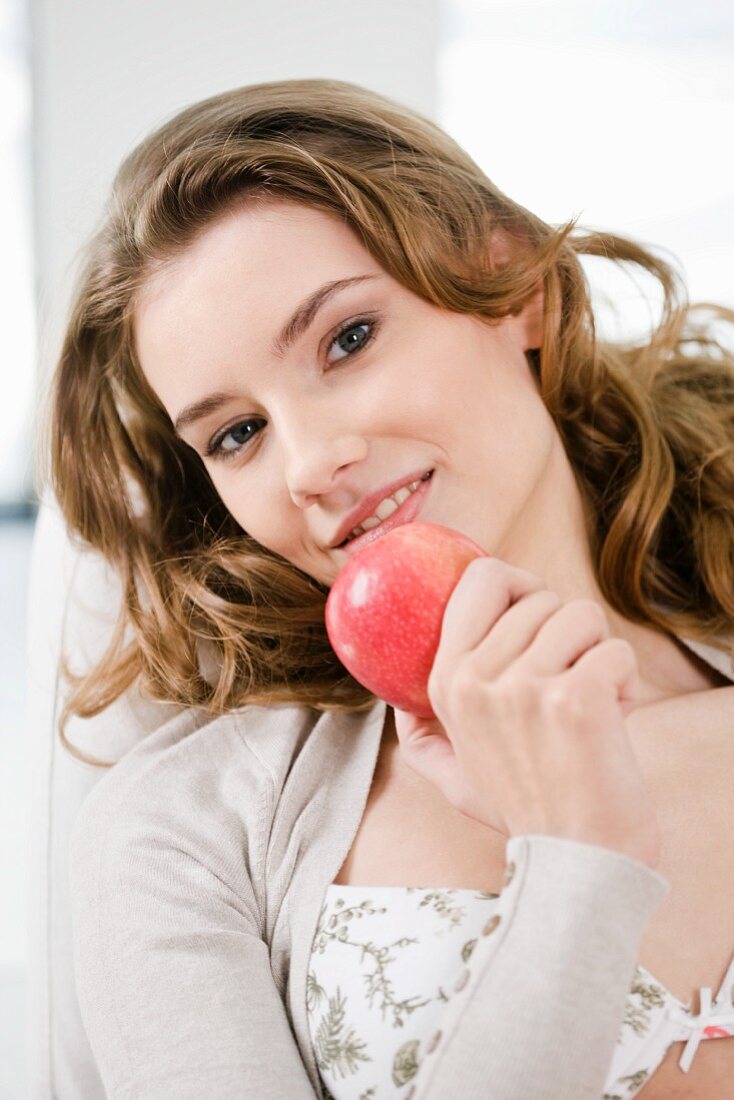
(407, 511)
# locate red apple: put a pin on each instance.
(385, 609)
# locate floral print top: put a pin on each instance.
(386, 961)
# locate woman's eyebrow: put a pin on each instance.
(294, 327)
(306, 312)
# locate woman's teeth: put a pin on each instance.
(385, 509)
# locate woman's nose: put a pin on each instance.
(312, 469)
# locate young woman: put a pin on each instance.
(306, 299)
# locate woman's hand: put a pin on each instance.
(530, 695)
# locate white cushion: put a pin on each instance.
(73, 597)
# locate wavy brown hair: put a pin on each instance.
(648, 425)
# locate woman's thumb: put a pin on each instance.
(426, 749)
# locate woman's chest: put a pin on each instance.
(410, 836)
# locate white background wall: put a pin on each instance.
(619, 111)
(107, 73)
(17, 306)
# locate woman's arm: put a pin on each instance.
(542, 1013)
(174, 981)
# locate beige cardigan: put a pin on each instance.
(198, 866)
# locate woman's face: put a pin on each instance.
(374, 385)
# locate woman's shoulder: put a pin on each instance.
(198, 770)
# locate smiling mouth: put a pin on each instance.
(395, 519)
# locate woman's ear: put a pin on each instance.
(528, 322)
(530, 319)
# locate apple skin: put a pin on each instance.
(384, 611)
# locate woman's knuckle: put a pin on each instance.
(463, 684)
(623, 653)
(489, 566)
(625, 648)
(547, 597)
(589, 609)
(432, 686)
(564, 699)
(514, 691)
(436, 683)
(554, 696)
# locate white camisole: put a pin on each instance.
(386, 961)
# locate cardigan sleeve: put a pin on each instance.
(550, 976)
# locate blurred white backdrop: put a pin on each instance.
(17, 362)
(617, 111)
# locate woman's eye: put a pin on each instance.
(217, 448)
(348, 339)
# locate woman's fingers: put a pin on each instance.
(487, 588)
(503, 614)
(513, 633)
(612, 660)
(569, 632)
(530, 696)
